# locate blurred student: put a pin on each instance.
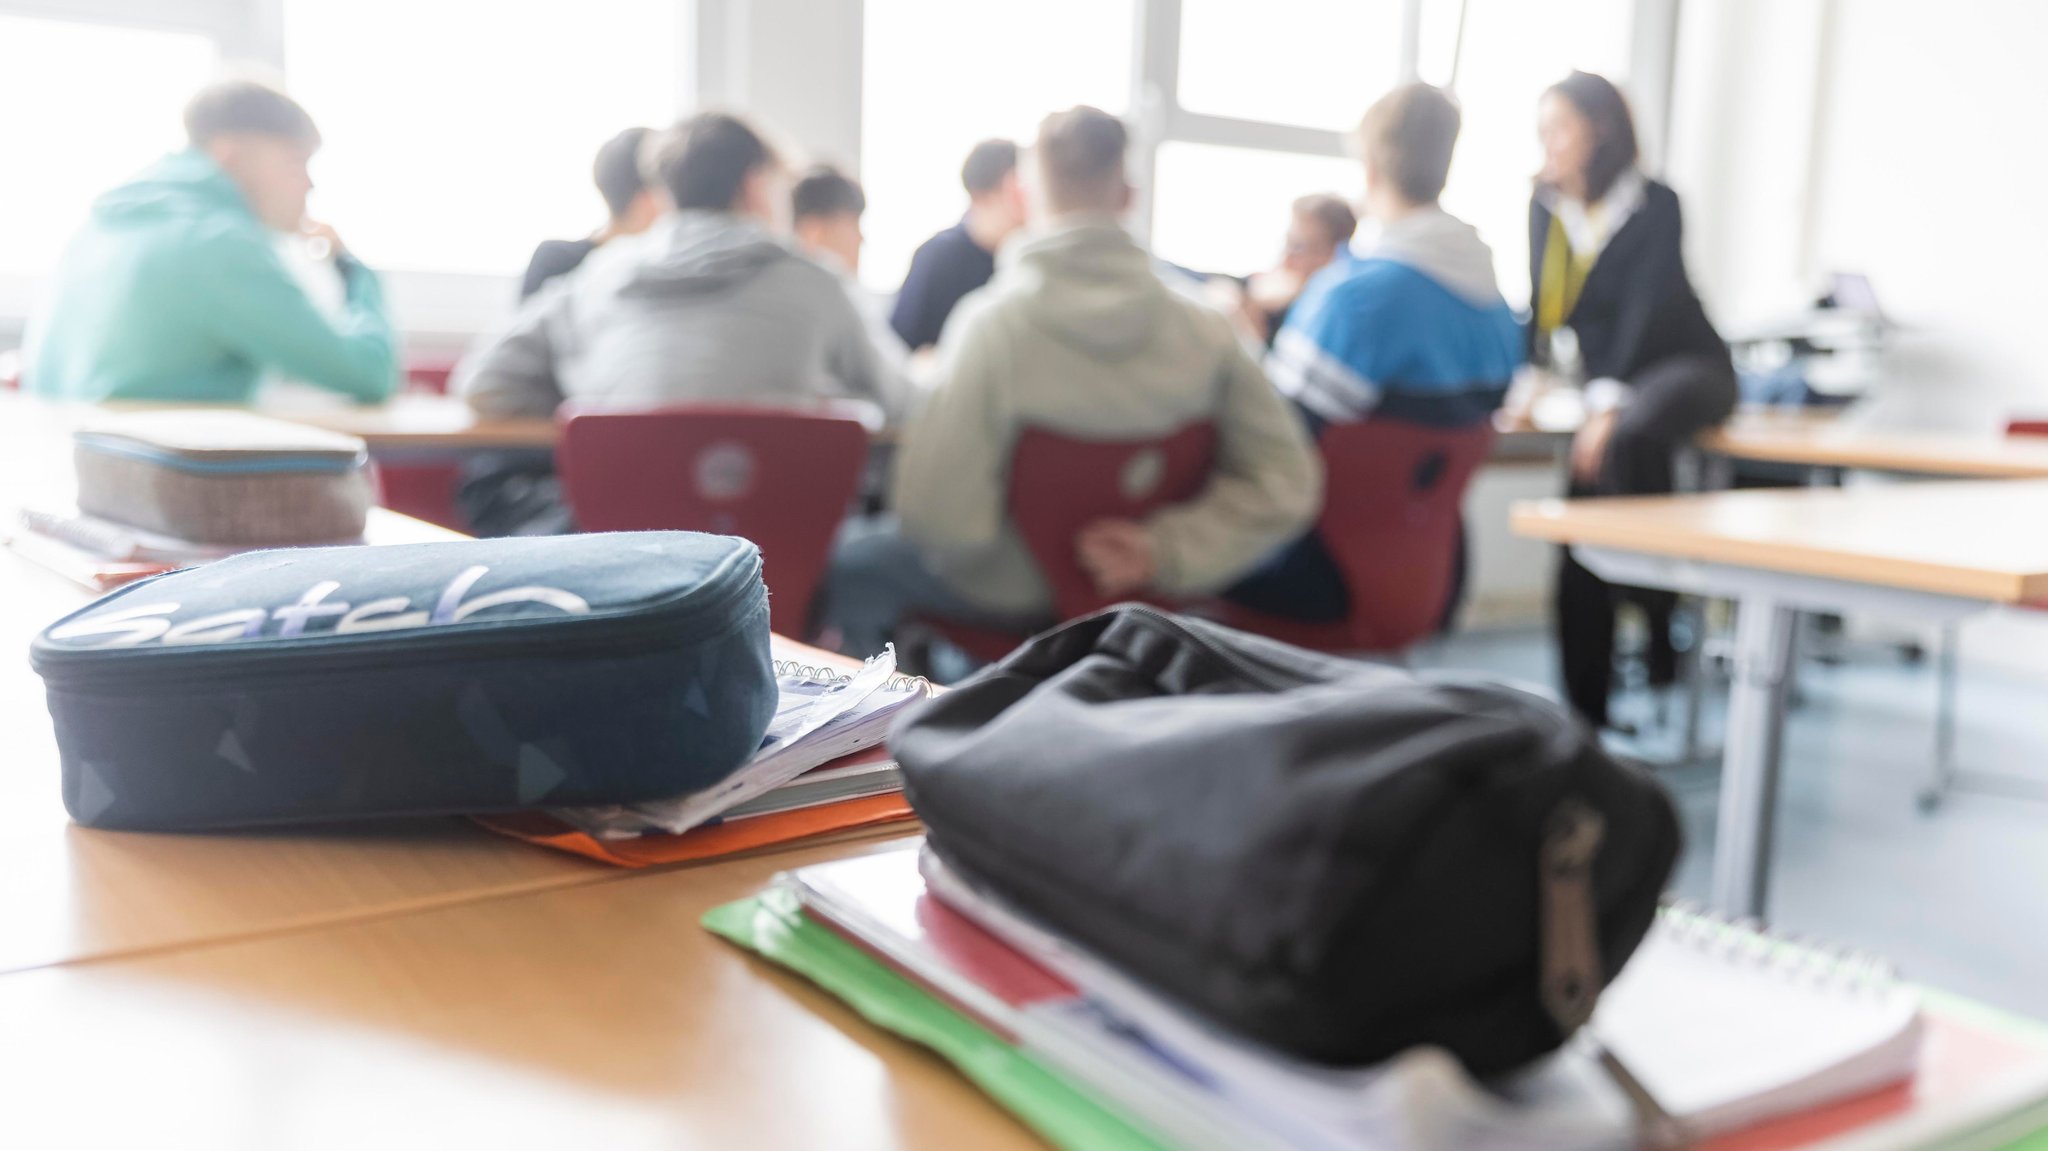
(1319, 229)
(963, 257)
(1412, 328)
(825, 207)
(1606, 263)
(631, 208)
(175, 289)
(707, 304)
(1076, 335)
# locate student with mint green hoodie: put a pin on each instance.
(174, 290)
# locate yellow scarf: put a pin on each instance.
(1564, 276)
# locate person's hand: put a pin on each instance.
(321, 233)
(1275, 291)
(1118, 555)
(1589, 446)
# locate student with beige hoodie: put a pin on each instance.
(1076, 335)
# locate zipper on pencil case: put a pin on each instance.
(658, 627)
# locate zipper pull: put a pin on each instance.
(1570, 943)
(1570, 972)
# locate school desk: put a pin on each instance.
(69, 893)
(1934, 551)
(1820, 442)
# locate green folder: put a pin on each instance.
(773, 925)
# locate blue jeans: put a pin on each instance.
(877, 579)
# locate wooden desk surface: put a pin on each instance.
(416, 422)
(69, 893)
(1818, 441)
(410, 422)
(599, 1017)
(1976, 539)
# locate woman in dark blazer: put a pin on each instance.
(1605, 265)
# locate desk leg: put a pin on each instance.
(1764, 632)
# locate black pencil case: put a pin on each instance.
(317, 684)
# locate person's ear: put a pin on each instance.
(757, 198)
(1125, 194)
(645, 207)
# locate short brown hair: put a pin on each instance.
(705, 159)
(617, 170)
(825, 191)
(1407, 136)
(1331, 213)
(1080, 155)
(233, 107)
(987, 164)
(1614, 130)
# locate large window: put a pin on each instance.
(83, 106)
(940, 75)
(1316, 63)
(1509, 52)
(1218, 209)
(461, 132)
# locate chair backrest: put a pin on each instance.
(1391, 522)
(2026, 427)
(1059, 485)
(781, 478)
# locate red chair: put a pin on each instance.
(781, 478)
(423, 488)
(2026, 428)
(1059, 485)
(424, 491)
(429, 376)
(1391, 521)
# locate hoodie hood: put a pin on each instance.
(182, 184)
(1442, 247)
(1085, 280)
(692, 253)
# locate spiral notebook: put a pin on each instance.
(822, 717)
(1728, 1027)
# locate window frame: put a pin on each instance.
(1158, 118)
(735, 53)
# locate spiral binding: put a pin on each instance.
(791, 669)
(1748, 941)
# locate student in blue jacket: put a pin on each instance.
(1411, 326)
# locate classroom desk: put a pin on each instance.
(69, 893)
(600, 1017)
(418, 422)
(1819, 442)
(1935, 551)
(407, 423)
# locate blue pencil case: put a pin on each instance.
(318, 684)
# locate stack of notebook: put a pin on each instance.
(99, 554)
(1752, 1042)
(821, 769)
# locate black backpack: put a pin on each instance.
(1337, 859)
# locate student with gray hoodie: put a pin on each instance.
(707, 304)
(1077, 335)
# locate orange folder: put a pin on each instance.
(846, 819)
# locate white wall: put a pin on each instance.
(1895, 138)
(1930, 177)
